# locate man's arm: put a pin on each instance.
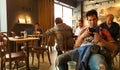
(50, 31)
(109, 44)
(81, 37)
(78, 42)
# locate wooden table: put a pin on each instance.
(35, 35)
(25, 40)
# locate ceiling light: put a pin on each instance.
(92, 0)
(97, 4)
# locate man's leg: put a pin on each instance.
(64, 58)
(97, 62)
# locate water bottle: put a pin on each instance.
(25, 34)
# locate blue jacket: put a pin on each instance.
(84, 55)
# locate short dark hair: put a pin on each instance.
(92, 12)
(36, 23)
(58, 20)
(80, 20)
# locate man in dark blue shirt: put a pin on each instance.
(111, 26)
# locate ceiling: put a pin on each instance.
(88, 2)
(69, 2)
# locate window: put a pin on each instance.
(64, 12)
(58, 10)
(3, 16)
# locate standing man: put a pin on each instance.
(111, 26)
(90, 47)
(64, 35)
(79, 27)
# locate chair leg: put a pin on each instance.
(43, 56)
(4, 68)
(10, 65)
(51, 48)
(38, 57)
(49, 57)
(26, 62)
(2, 65)
(32, 54)
(16, 64)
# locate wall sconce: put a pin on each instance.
(92, 1)
(24, 20)
(97, 4)
(21, 20)
(28, 20)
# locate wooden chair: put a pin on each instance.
(7, 56)
(17, 44)
(115, 53)
(64, 38)
(41, 49)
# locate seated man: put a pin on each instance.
(91, 48)
(63, 34)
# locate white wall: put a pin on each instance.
(3, 16)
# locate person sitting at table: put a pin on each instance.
(92, 51)
(37, 31)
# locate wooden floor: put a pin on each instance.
(43, 65)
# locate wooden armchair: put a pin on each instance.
(63, 39)
(115, 53)
(7, 56)
(45, 45)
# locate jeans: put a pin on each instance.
(64, 58)
(93, 63)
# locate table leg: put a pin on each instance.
(119, 58)
(27, 50)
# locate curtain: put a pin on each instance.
(46, 15)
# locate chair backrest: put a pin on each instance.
(5, 33)
(64, 39)
(116, 51)
(45, 41)
(4, 46)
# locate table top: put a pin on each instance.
(35, 35)
(23, 39)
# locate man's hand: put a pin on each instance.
(79, 41)
(86, 33)
(97, 38)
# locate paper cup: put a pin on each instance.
(71, 65)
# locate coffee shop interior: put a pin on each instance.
(17, 16)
